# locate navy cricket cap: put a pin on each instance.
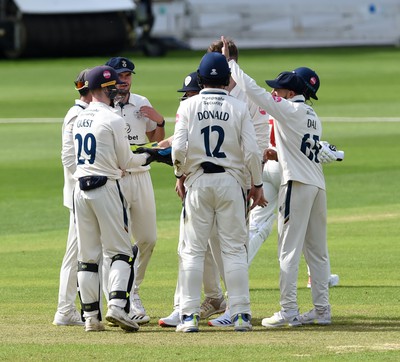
(287, 80)
(190, 84)
(214, 69)
(121, 65)
(102, 76)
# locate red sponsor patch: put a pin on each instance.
(106, 74)
(313, 81)
(262, 111)
(277, 98)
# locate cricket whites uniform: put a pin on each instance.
(216, 129)
(302, 198)
(102, 149)
(211, 280)
(137, 185)
(69, 267)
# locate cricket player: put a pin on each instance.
(302, 196)
(143, 124)
(102, 153)
(213, 270)
(213, 143)
(66, 311)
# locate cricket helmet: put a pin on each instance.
(311, 81)
(287, 80)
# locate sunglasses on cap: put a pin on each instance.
(79, 85)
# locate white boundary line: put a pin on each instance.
(170, 119)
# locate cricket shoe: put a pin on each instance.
(171, 321)
(139, 319)
(72, 318)
(212, 306)
(281, 319)
(242, 322)
(137, 312)
(118, 316)
(223, 320)
(314, 316)
(92, 324)
(333, 281)
(189, 323)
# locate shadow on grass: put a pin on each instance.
(339, 324)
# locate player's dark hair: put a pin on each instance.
(83, 92)
(217, 45)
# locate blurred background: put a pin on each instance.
(60, 28)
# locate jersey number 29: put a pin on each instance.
(88, 145)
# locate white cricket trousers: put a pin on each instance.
(214, 198)
(69, 268)
(138, 190)
(302, 228)
(211, 274)
(260, 226)
(102, 227)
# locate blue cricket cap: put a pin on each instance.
(190, 83)
(121, 64)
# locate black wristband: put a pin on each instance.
(162, 124)
(258, 186)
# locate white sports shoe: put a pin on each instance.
(281, 319)
(92, 324)
(314, 316)
(189, 323)
(223, 320)
(137, 312)
(333, 281)
(72, 318)
(171, 321)
(139, 319)
(137, 306)
(118, 316)
(212, 306)
(242, 322)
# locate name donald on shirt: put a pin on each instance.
(222, 116)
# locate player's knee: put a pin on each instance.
(84, 267)
(146, 243)
(123, 294)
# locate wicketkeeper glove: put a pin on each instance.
(162, 155)
(328, 153)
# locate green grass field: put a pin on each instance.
(363, 220)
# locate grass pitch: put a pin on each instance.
(363, 219)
